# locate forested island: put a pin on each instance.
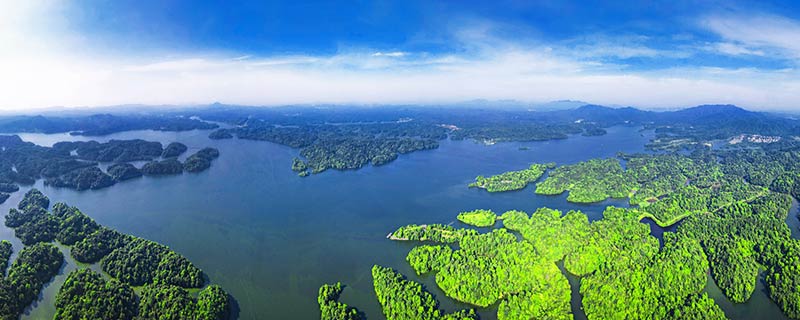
(74, 164)
(512, 180)
(162, 277)
(732, 206)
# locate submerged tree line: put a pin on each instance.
(168, 286)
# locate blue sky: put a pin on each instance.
(652, 54)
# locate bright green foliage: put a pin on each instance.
(98, 244)
(165, 302)
(590, 181)
(34, 267)
(478, 218)
(489, 267)
(213, 303)
(618, 238)
(783, 278)
(329, 306)
(552, 234)
(647, 289)
(86, 295)
(402, 299)
(512, 180)
(434, 232)
(733, 267)
(697, 307)
(142, 261)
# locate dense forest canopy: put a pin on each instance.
(128, 261)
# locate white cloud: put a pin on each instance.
(757, 31)
(487, 68)
(733, 49)
(394, 54)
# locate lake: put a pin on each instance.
(271, 238)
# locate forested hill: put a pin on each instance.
(343, 138)
(99, 124)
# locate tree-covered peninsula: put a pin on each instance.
(129, 262)
(511, 180)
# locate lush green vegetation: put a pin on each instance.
(512, 180)
(589, 181)
(478, 218)
(86, 295)
(36, 265)
(404, 299)
(129, 260)
(434, 232)
(329, 306)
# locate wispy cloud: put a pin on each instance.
(746, 33)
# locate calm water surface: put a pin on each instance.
(271, 238)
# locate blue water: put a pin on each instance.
(271, 238)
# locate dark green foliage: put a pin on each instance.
(164, 167)
(41, 228)
(201, 160)
(141, 261)
(82, 179)
(86, 295)
(101, 124)
(113, 150)
(404, 299)
(8, 187)
(34, 198)
(220, 134)
(34, 267)
(123, 171)
(329, 306)
(74, 225)
(5, 254)
(213, 303)
(174, 149)
(98, 244)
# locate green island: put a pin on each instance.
(74, 164)
(478, 218)
(512, 180)
(732, 226)
(142, 279)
